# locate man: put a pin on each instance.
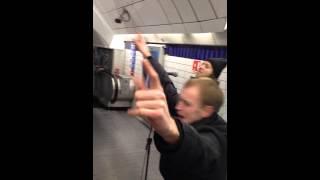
(211, 67)
(194, 145)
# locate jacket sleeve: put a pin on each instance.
(167, 85)
(194, 151)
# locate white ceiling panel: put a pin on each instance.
(185, 10)
(150, 12)
(216, 25)
(170, 11)
(105, 5)
(126, 31)
(134, 1)
(121, 3)
(177, 28)
(192, 27)
(109, 5)
(135, 17)
(203, 9)
(220, 6)
(139, 30)
(163, 29)
(121, 31)
(165, 16)
(131, 30)
(155, 29)
(221, 38)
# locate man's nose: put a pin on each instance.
(178, 106)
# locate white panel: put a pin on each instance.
(183, 66)
(170, 11)
(126, 31)
(105, 5)
(216, 25)
(131, 31)
(185, 10)
(109, 5)
(135, 18)
(177, 28)
(140, 30)
(120, 3)
(155, 29)
(121, 31)
(101, 27)
(150, 12)
(163, 29)
(220, 6)
(192, 27)
(203, 9)
(221, 38)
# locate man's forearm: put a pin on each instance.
(145, 52)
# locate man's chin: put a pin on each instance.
(179, 117)
(201, 75)
(182, 119)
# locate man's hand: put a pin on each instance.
(141, 45)
(151, 103)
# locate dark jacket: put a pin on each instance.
(168, 87)
(201, 152)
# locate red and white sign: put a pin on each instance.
(196, 65)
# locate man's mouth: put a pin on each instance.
(180, 116)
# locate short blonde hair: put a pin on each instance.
(210, 92)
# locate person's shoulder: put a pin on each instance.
(220, 119)
(215, 122)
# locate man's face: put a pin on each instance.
(189, 105)
(205, 69)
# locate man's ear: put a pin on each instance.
(207, 111)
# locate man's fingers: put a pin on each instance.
(133, 112)
(153, 104)
(139, 40)
(143, 112)
(138, 82)
(138, 37)
(151, 94)
(154, 77)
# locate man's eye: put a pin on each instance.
(186, 103)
